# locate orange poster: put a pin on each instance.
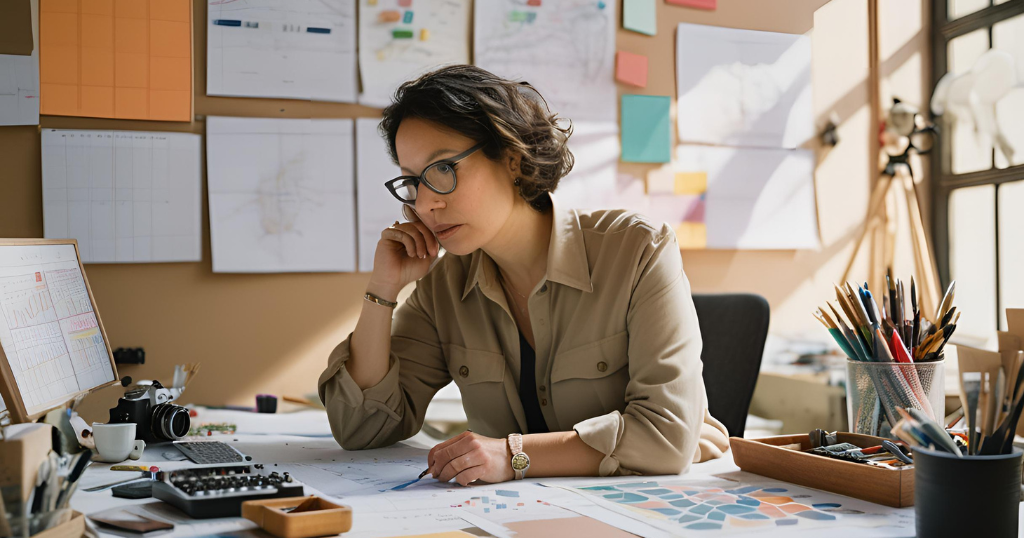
(127, 59)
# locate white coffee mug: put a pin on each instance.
(116, 442)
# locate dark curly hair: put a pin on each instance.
(510, 117)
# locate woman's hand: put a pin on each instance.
(468, 457)
(404, 254)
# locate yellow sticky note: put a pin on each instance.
(424, 34)
(692, 235)
(690, 183)
(371, 2)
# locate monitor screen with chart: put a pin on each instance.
(52, 344)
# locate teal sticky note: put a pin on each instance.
(646, 129)
(638, 16)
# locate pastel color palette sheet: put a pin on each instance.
(709, 508)
(126, 59)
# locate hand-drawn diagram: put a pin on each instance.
(514, 39)
(281, 194)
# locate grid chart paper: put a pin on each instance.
(126, 196)
(48, 328)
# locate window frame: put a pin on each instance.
(943, 181)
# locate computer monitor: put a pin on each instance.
(53, 347)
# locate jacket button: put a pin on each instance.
(601, 366)
(543, 388)
(544, 401)
(464, 371)
(544, 288)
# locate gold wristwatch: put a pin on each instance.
(520, 461)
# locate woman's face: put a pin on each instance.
(470, 216)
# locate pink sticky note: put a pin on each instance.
(631, 68)
(699, 4)
(404, 3)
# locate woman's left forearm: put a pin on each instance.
(560, 454)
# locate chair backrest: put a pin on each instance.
(734, 328)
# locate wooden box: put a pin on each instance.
(73, 528)
(311, 516)
(891, 487)
(21, 453)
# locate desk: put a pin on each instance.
(296, 454)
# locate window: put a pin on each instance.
(978, 178)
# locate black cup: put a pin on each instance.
(968, 496)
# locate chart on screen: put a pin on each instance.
(49, 332)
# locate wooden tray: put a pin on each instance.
(318, 518)
(891, 487)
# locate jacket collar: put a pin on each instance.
(567, 257)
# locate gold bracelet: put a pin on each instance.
(379, 300)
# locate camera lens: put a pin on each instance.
(170, 422)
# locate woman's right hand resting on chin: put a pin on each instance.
(404, 254)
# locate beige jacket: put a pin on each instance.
(617, 349)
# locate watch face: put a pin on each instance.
(520, 461)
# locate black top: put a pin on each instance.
(528, 387)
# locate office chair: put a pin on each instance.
(734, 328)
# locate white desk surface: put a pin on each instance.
(260, 446)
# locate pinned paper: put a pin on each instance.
(646, 134)
(699, 4)
(690, 183)
(16, 27)
(127, 60)
(639, 16)
(631, 68)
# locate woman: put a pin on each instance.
(572, 336)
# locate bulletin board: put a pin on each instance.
(184, 312)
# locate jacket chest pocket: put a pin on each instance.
(590, 380)
(469, 367)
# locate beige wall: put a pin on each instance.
(272, 333)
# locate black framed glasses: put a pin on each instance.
(438, 177)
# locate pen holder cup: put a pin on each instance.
(874, 390)
(964, 496)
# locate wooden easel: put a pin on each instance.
(880, 215)
(880, 221)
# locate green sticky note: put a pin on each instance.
(638, 16)
(646, 129)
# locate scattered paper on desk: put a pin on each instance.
(646, 129)
(376, 207)
(631, 68)
(756, 198)
(281, 194)
(292, 49)
(515, 39)
(400, 40)
(19, 80)
(743, 87)
(16, 27)
(126, 196)
(640, 16)
(126, 60)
